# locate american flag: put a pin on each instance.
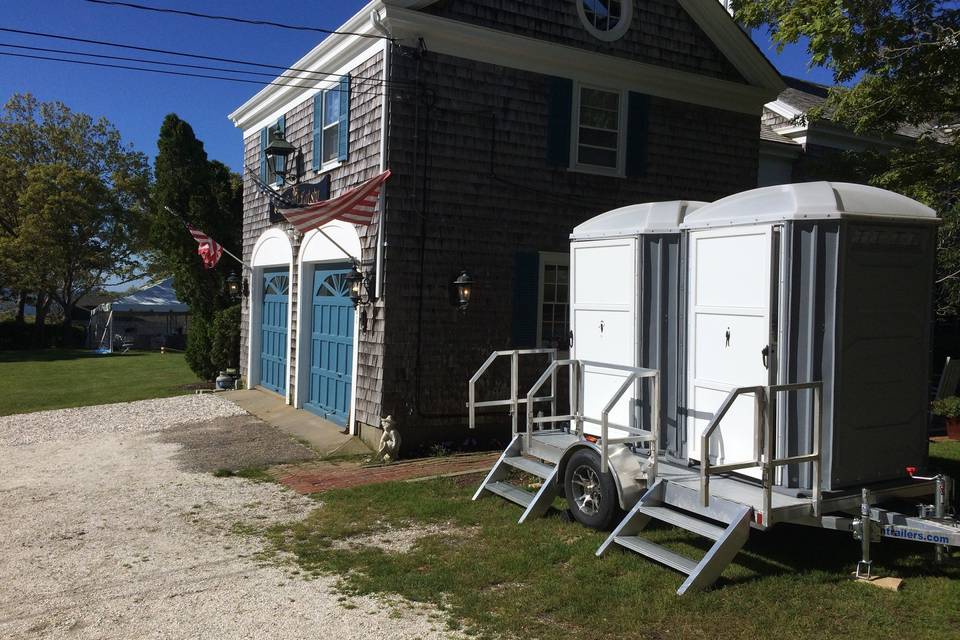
(356, 206)
(208, 249)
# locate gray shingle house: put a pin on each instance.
(505, 124)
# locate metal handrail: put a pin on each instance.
(514, 401)
(765, 429)
(550, 373)
(576, 416)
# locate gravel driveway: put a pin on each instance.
(106, 534)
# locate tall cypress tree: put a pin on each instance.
(207, 195)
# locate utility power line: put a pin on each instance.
(207, 16)
(173, 73)
(198, 56)
(376, 81)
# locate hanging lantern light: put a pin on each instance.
(464, 288)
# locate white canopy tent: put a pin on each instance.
(156, 303)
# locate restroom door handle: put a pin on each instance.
(765, 353)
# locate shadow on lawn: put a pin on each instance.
(54, 355)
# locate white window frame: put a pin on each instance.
(626, 17)
(336, 162)
(575, 165)
(552, 258)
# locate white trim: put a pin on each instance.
(734, 43)
(609, 35)
(575, 165)
(267, 253)
(552, 258)
(381, 230)
(273, 101)
(492, 46)
(316, 249)
(783, 109)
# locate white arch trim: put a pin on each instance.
(272, 249)
(317, 249)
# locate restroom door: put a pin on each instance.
(730, 335)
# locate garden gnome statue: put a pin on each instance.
(389, 441)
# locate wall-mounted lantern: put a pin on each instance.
(279, 154)
(360, 286)
(463, 286)
(237, 286)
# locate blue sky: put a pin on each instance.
(137, 102)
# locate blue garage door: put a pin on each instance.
(331, 350)
(273, 330)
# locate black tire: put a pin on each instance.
(591, 495)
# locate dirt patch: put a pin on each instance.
(240, 442)
(401, 539)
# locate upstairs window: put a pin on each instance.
(598, 130)
(606, 20)
(331, 127)
(268, 172)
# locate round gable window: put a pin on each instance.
(606, 19)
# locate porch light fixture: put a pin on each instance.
(360, 286)
(464, 287)
(279, 148)
(237, 286)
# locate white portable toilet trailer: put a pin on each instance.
(815, 282)
(787, 329)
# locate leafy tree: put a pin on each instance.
(73, 233)
(208, 196)
(79, 151)
(898, 62)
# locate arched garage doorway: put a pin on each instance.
(269, 328)
(326, 371)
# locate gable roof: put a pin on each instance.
(337, 52)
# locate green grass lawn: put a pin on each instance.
(542, 580)
(55, 379)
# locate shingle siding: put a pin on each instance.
(661, 32)
(363, 162)
(477, 216)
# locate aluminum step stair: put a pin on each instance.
(678, 506)
(534, 504)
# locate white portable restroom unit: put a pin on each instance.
(756, 360)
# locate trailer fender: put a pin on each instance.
(629, 472)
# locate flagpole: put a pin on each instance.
(225, 250)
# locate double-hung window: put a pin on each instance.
(593, 129)
(598, 130)
(270, 173)
(331, 112)
(553, 314)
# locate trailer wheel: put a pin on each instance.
(591, 495)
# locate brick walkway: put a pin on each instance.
(325, 476)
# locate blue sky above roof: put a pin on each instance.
(137, 102)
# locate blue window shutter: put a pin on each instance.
(317, 127)
(344, 129)
(638, 124)
(264, 140)
(281, 162)
(559, 113)
(526, 296)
